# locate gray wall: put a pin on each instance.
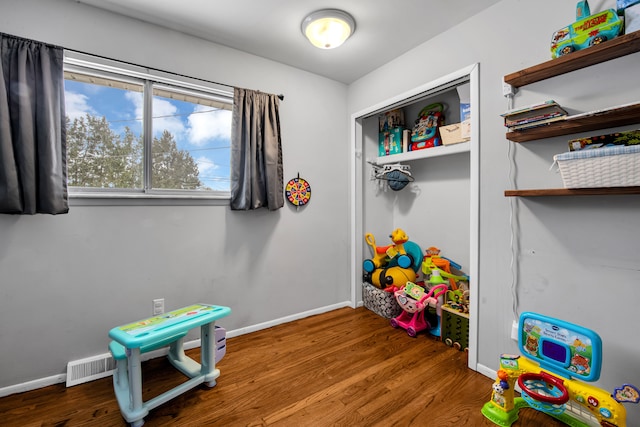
(66, 280)
(577, 258)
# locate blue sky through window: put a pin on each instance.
(204, 131)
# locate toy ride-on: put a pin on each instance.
(413, 299)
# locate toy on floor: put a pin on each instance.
(557, 357)
(433, 260)
(414, 299)
(392, 266)
(434, 309)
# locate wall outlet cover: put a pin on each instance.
(514, 330)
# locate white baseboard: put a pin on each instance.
(32, 385)
(486, 371)
(287, 319)
(61, 378)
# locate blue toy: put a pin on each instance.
(392, 266)
(557, 356)
(588, 30)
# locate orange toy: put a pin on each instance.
(433, 259)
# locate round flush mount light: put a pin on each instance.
(328, 28)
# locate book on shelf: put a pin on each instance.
(541, 105)
(546, 112)
(536, 118)
(537, 123)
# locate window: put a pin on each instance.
(130, 131)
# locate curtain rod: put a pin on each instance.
(280, 96)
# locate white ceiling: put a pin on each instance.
(385, 29)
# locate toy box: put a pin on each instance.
(380, 302)
(452, 134)
(617, 166)
(390, 142)
(630, 137)
(455, 328)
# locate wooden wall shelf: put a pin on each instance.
(619, 116)
(603, 119)
(605, 191)
(611, 49)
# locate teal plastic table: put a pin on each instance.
(134, 339)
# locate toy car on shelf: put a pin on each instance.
(586, 32)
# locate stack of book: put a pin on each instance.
(534, 115)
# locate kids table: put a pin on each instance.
(131, 340)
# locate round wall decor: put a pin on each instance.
(298, 191)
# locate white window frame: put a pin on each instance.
(103, 67)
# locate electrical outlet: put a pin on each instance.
(514, 330)
(158, 306)
(508, 90)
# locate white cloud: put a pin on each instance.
(76, 105)
(205, 126)
(206, 165)
(165, 114)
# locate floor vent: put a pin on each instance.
(89, 369)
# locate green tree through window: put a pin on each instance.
(121, 127)
(173, 168)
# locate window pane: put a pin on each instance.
(104, 132)
(191, 141)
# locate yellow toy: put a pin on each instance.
(382, 255)
(557, 357)
(394, 265)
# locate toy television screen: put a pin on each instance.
(561, 347)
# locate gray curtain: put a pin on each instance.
(33, 164)
(256, 152)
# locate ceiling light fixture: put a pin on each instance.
(328, 28)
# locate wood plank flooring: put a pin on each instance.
(342, 368)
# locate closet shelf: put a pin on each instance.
(611, 49)
(603, 119)
(442, 150)
(603, 191)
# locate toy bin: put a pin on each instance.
(455, 328)
(617, 166)
(380, 302)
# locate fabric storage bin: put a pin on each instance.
(617, 166)
(380, 302)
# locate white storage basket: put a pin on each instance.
(617, 166)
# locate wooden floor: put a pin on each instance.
(342, 368)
